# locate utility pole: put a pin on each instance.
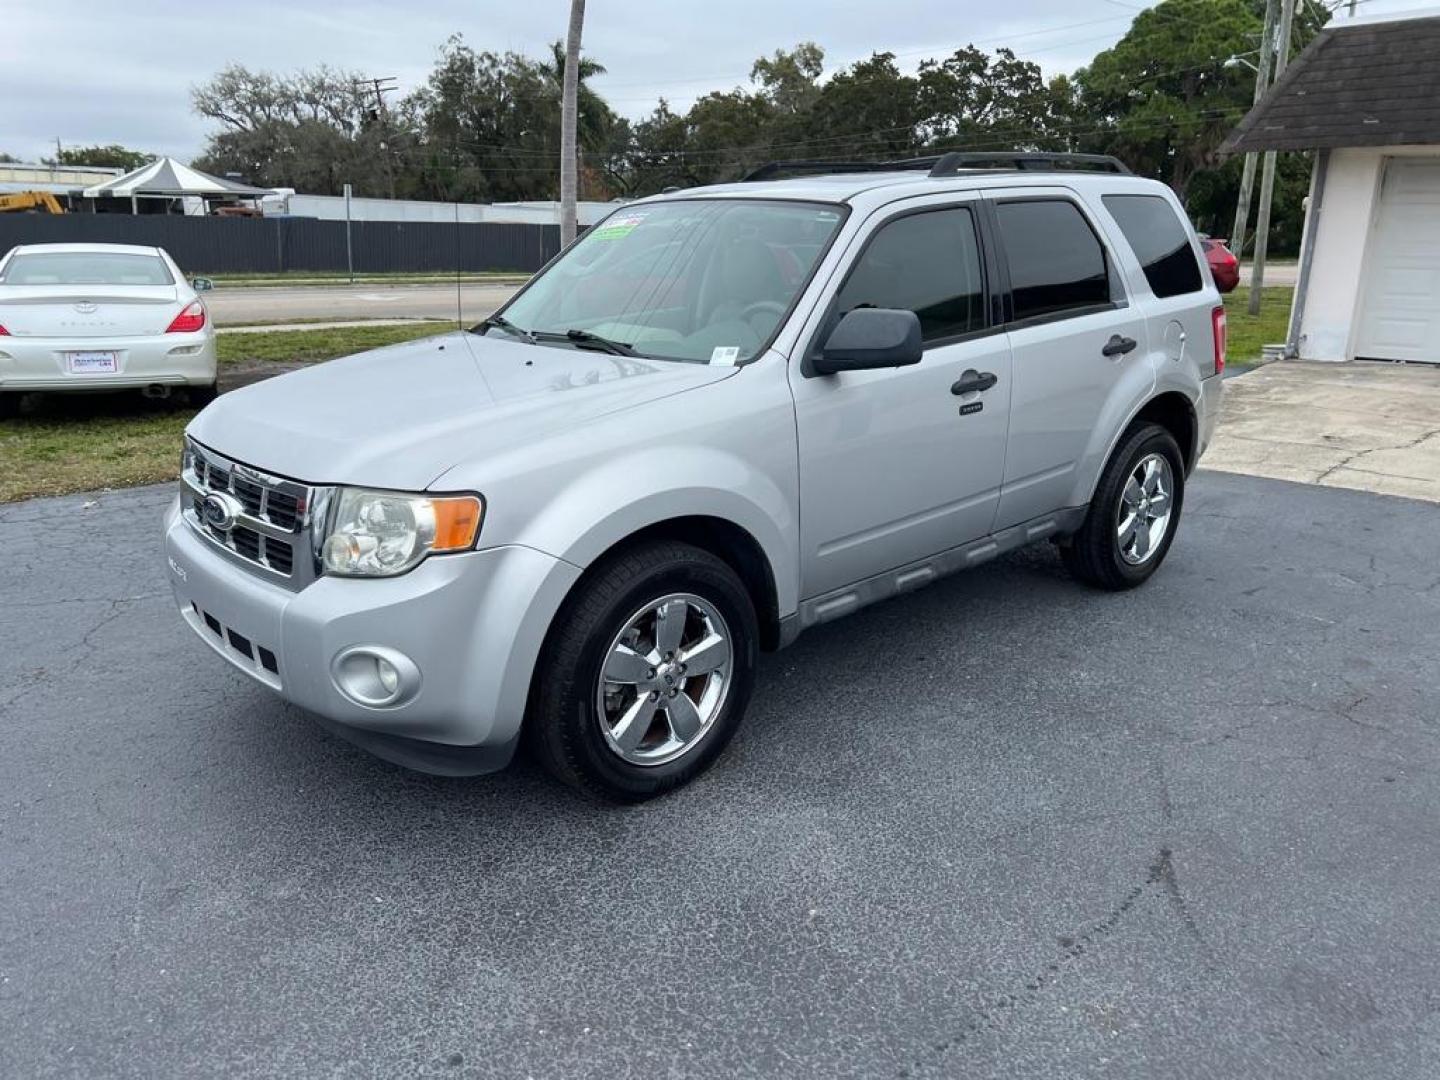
(1247, 178)
(380, 87)
(569, 119)
(1267, 176)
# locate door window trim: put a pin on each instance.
(991, 309)
(1118, 296)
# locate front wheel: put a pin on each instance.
(646, 674)
(1133, 516)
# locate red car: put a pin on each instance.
(1224, 267)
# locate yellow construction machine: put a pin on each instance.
(34, 202)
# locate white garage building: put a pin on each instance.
(1365, 96)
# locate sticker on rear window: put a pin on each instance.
(725, 354)
(618, 227)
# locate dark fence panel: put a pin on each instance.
(214, 245)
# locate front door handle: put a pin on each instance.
(1118, 346)
(973, 380)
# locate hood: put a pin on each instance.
(399, 417)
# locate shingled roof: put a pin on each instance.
(1358, 84)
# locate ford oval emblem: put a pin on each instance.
(220, 511)
(85, 307)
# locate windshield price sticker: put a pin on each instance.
(725, 354)
(620, 226)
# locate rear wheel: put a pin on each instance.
(646, 674)
(1133, 516)
(9, 406)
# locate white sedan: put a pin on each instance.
(101, 317)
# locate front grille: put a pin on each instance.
(270, 533)
(269, 666)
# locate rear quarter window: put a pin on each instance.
(1160, 241)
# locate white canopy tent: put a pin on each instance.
(166, 178)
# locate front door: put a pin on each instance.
(901, 464)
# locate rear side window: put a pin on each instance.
(85, 268)
(1056, 262)
(1159, 241)
(927, 263)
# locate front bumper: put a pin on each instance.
(472, 623)
(40, 364)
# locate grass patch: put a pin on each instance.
(87, 442)
(1247, 333)
(313, 346)
(65, 443)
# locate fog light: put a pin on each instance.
(389, 677)
(375, 676)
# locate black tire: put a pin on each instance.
(200, 396)
(9, 406)
(1093, 555)
(565, 727)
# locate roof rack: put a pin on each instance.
(943, 164)
(954, 161)
(773, 169)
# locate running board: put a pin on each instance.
(840, 602)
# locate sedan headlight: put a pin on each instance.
(383, 533)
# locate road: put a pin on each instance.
(1004, 826)
(1284, 273)
(342, 302)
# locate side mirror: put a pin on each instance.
(870, 338)
(202, 284)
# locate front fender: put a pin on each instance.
(623, 495)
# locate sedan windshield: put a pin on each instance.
(85, 268)
(705, 280)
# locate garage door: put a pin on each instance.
(1400, 309)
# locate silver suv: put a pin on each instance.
(720, 417)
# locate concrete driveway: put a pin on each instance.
(1004, 826)
(1368, 426)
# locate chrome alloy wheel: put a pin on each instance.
(1144, 512)
(665, 679)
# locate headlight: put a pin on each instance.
(383, 533)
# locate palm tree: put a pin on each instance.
(569, 108)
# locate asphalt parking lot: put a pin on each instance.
(1005, 826)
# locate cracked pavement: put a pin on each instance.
(1004, 826)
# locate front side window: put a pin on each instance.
(928, 263)
(1159, 241)
(85, 268)
(1056, 262)
(703, 280)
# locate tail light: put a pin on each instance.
(189, 320)
(1217, 324)
(4, 332)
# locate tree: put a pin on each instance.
(113, 156)
(569, 121)
(1168, 92)
(314, 131)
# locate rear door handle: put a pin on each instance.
(973, 380)
(1117, 346)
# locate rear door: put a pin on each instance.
(1074, 341)
(900, 464)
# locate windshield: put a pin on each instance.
(85, 268)
(704, 280)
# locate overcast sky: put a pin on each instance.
(102, 71)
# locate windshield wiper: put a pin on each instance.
(499, 322)
(585, 337)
